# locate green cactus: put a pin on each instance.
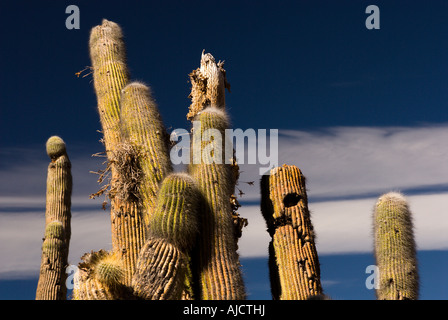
(172, 233)
(110, 75)
(143, 128)
(220, 276)
(293, 260)
(161, 271)
(175, 217)
(109, 271)
(51, 284)
(141, 161)
(395, 250)
(101, 277)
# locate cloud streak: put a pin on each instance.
(346, 226)
(347, 168)
(360, 162)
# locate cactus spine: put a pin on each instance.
(218, 264)
(395, 250)
(51, 284)
(293, 261)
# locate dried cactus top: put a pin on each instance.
(208, 84)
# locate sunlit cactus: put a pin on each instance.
(51, 284)
(100, 277)
(220, 276)
(143, 129)
(293, 260)
(395, 249)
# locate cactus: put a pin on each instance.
(172, 233)
(293, 261)
(395, 250)
(175, 217)
(143, 128)
(161, 271)
(140, 161)
(101, 277)
(51, 284)
(110, 75)
(208, 84)
(218, 262)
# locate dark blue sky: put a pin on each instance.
(291, 64)
(301, 65)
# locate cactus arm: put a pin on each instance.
(143, 128)
(51, 284)
(218, 261)
(395, 250)
(110, 75)
(160, 273)
(293, 259)
(162, 267)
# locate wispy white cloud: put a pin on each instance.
(21, 239)
(346, 226)
(357, 161)
(340, 164)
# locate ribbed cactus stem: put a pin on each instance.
(110, 75)
(160, 272)
(100, 277)
(140, 162)
(176, 215)
(220, 276)
(395, 249)
(143, 128)
(293, 259)
(163, 265)
(51, 284)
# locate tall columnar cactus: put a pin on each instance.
(178, 241)
(51, 285)
(220, 276)
(143, 128)
(293, 261)
(163, 264)
(141, 162)
(395, 250)
(110, 75)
